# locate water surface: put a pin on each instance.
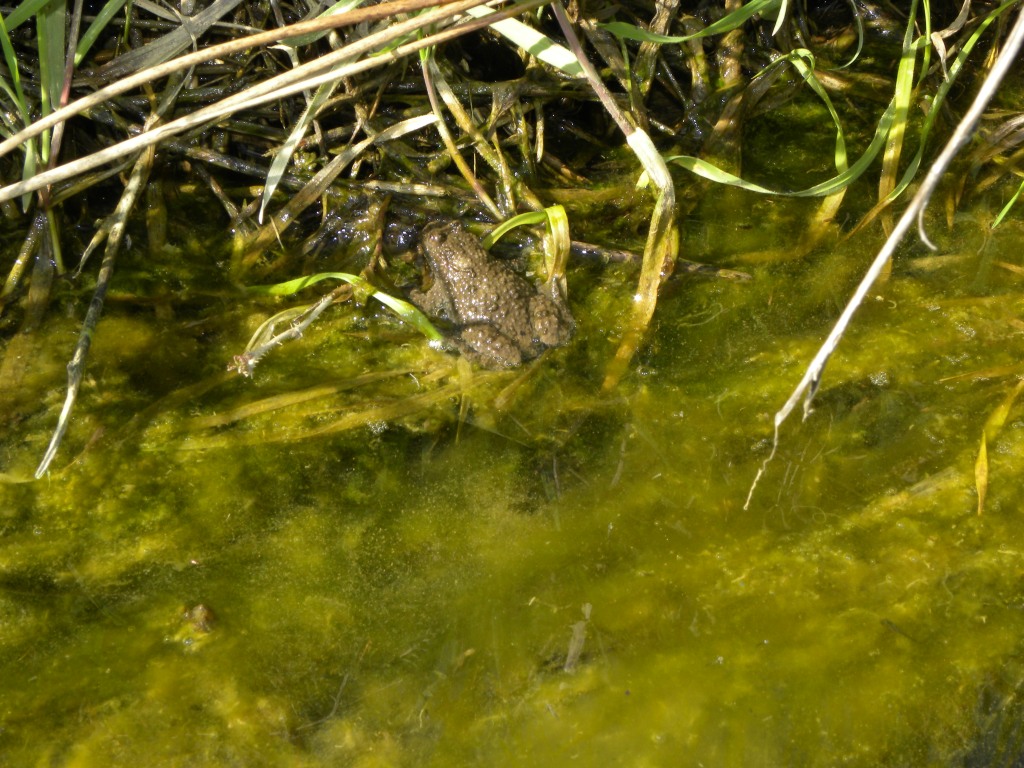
(416, 563)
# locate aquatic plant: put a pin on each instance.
(675, 85)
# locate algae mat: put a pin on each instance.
(373, 556)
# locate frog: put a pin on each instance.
(500, 319)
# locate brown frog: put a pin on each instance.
(501, 319)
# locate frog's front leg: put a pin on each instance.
(486, 345)
(435, 301)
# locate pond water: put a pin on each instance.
(411, 562)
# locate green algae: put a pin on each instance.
(402, 562)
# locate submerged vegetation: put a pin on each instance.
(270, 505)
(312, 128)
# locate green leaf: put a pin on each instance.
(25, 11)
(724, 24)
(556, 239)
(107, 12)
(405, 311)
(17, 94)
(1008, 207)
(831, 186)
(50, 27)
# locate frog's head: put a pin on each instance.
(436, 234)
(449, 250)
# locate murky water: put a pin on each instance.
(413, 563)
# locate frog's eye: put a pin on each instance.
(434, 231)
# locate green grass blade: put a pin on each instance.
(556, 237)
(925, 41)
(13, 89)
(1008, 207)
(17, 95)
(406, 311)
(780, 18)
(712, 172)
(939, 98)
(903, 95)
(831, 186)
(802, 60)
(103, 18)
(725, 24)
(522, 220)
(25, 11)
(50, 23)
